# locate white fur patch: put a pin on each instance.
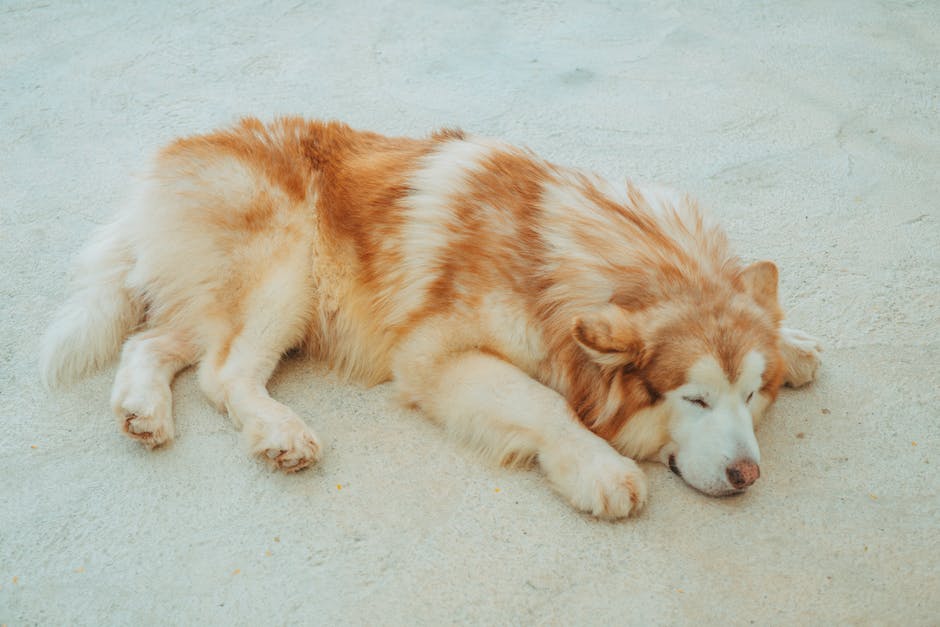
(712, 424)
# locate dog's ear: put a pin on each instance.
(610, 337)
(760, 283)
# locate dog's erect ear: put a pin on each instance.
(610, 337)
(760, 283)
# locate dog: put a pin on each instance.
(537, 312)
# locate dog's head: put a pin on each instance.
(708, 361)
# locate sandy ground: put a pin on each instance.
(812, 129)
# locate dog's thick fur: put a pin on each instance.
(537, 312)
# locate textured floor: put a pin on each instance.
(811, 128)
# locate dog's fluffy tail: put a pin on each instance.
(90, 328)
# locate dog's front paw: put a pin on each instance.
(288, 445)
(801, 356)
(615, 489)
(606, 485)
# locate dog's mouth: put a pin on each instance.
(673, 467)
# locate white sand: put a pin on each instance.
(813, 131)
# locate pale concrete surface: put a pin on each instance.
(812, 129)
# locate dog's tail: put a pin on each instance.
(89, 329)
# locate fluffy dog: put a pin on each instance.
(537, 312)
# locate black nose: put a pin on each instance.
(742, 473)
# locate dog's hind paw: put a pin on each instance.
(801, 356)
(288, 446)
(145, 415)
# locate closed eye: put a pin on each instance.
(749, 397)
(696, 400)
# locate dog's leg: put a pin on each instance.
(509, 416)
(237, 367)
(801, 356)
(141, 396)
